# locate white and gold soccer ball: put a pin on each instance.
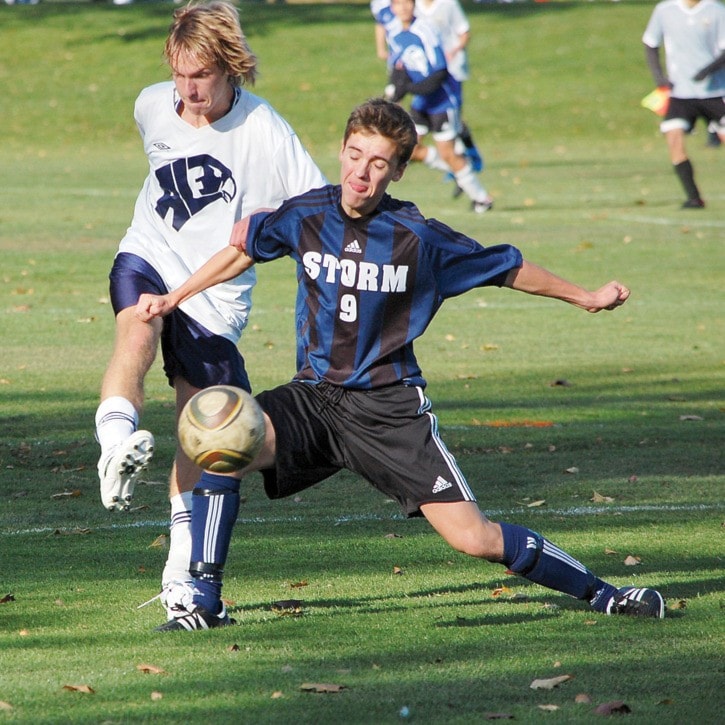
(221, 428)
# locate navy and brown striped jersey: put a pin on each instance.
(368, 287)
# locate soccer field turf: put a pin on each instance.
(603, 432)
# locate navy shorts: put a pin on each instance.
(388, 436)
(189, 350)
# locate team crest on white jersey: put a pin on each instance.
(190, 185)
(441, 485)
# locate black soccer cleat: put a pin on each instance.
(200, 618)
(637, 602)
(694, 204)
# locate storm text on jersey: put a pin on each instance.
(364, 276)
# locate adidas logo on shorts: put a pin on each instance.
(441, 485)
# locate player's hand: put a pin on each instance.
(150, 306)
(398, 85)
(238, 238)
(609, 297)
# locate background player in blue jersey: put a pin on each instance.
(419, 67)
(216, 153)
(693, 35)
(372, 273)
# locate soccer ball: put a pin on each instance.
(221, 428)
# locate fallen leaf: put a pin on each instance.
(151, 669)
(679, 604)
(691, 417)
(498, 591)
(160, 542)
(550, 683)
(287, 607)
(80, 688)
(535, 504)
(277, 694)
(156, 696)
(398, 570)
(297, 585)
(321, 687)
(583, 698)
(632, 560)
(233, 648)
(571, 469)
(498, 716)
(616, 707)
(598, 498)
(561, 382)
(610, 551)
(393, 536)
(7, 598)
(5, 706)
(548, 708)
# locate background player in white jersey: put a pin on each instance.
(372, 272)
(216, 152)
(693, 35)
(419, 67)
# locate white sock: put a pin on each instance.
(468, 181)
(433, 160)
(177, 562)
(116, 420)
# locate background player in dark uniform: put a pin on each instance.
(372, 272)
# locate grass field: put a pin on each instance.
(629, 463)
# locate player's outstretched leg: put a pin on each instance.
(215, 505)
(535, 558)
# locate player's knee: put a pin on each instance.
(482, 542)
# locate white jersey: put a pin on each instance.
(450, 21)
(693, 37)
(203, 180)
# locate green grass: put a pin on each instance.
(583, 186)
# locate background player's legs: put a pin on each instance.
(682, 166)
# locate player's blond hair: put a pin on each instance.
(388, 119)
(212, 33)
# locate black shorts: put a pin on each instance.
(388, 436)
(443, 126)
(684, 112)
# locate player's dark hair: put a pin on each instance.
(211, 32)
(388, 119)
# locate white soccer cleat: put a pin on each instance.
(177, 598)
(119, 472)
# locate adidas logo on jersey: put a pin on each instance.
(354, 247)
(441, 485)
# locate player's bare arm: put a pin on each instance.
(535, 280)
(223, 266)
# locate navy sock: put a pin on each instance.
(535, 558)
(214, 509)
